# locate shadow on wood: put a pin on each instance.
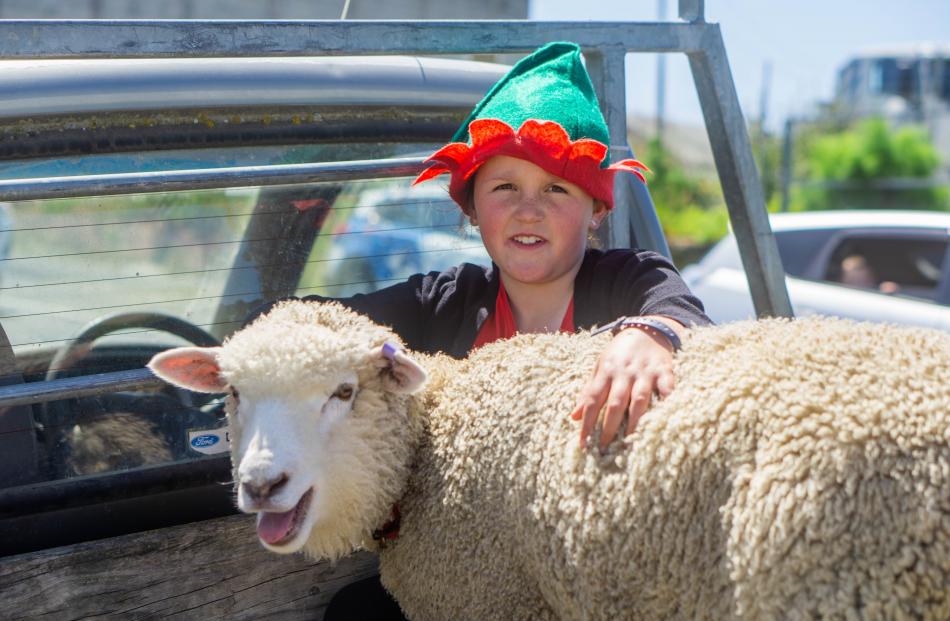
(211, 569)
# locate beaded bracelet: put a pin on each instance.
(650, 326)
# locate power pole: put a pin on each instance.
(764, 94)
(760, 137)
(787, 162)
(660, 79)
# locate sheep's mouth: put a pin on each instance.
(278, 529)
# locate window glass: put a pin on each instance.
(205, 258)
(76, 260)
(799, 248)
(796, 248)
(849, 78)
(128, 260)
(188, 159)
(876, 76)
(905, 265)
(894, 76)
(382, 232)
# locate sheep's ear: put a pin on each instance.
(194, 368)
(400, 372)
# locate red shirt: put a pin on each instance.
(501, 323)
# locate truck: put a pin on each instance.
(164, 179)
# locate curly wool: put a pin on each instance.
(295, 340)
(799, 469)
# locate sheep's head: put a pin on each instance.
(320, 437)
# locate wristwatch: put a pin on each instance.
(650, 326)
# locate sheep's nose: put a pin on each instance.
(260, 491)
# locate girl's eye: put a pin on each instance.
(504, 186)
(344, 392)
(559, 189)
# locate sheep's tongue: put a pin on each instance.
(272, 527)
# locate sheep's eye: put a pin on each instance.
(344, 392)
(234, 392)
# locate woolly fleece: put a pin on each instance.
(799, 469)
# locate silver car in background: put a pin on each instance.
(882, 266)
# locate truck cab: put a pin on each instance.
(161, 180)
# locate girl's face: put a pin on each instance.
(533, 224)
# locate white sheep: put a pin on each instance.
(799, 469)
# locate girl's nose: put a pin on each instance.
(529, 209)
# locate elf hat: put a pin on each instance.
(549, 97)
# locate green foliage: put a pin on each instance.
(767, 151)
(690, 210)
(849, 169)
(873, 150)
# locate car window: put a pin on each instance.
(100, 284)
(381, 232)
(111, 267)
(908, 265)
(187, 159)
(797, 248)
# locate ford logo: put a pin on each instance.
(205, 440)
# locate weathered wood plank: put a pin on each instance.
(205, 570)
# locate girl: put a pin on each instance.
(528, 168)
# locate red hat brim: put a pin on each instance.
(543, 143)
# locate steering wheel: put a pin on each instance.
(71, 352)
(53, 413)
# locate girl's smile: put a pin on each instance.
(528, 240)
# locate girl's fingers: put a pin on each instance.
(616, 407)
(592, 400)
(576, 412)
(665, 383)
(588, 392)
(626, 385)
(639, 402)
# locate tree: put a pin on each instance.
(691, 210)
(870, 166)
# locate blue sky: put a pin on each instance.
(805, 42)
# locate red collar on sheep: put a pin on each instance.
(390, 530)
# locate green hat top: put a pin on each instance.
(543, 111)
(551, 84)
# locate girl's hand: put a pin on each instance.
(633, 366)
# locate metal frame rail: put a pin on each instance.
(605, 46)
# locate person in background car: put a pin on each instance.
(855, 272)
